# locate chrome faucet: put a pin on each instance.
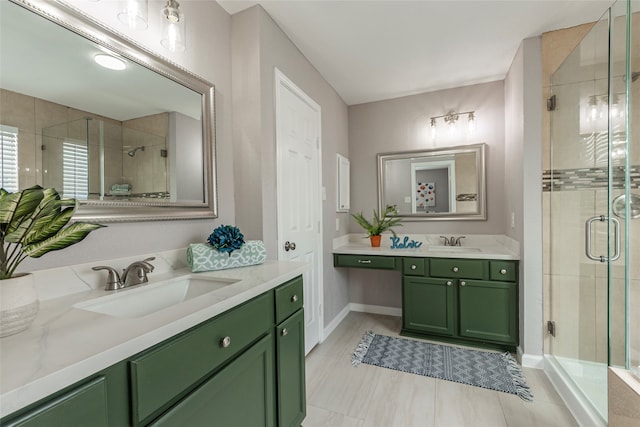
(134, 274)
(452, 241)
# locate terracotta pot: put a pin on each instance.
(375, 241)
(18, 304)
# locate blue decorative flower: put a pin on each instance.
(226, 238)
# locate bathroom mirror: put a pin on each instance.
(439, 184)
(135, 144)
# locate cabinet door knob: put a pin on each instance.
(503, 271)
(449, 283)
(294, 298)
(225, 342)
(284, 332)
(463, 283)
(413, 266)
(455, 269)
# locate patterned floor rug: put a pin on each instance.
(495, 371)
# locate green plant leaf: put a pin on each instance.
(49, 203)
(16, 212)
(46, 226)
(65, 237)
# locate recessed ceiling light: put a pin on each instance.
(110, 62)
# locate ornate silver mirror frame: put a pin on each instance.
(453, 177)
(114, 211)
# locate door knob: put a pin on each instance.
(289, 246)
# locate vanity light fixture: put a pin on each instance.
(173, 27)
(109, 61)
(451, 119)
(597, 106)
(134, 14)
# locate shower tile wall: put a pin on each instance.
(31, 115)
(148, 169)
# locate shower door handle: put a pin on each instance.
(616, 235)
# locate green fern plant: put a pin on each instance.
(380, 223)
(34, 222)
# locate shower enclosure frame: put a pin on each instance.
(586, 300)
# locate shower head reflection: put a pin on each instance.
(132, 153)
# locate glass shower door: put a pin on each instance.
(625, 182)
(579, 220)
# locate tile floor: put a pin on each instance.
(339, 395)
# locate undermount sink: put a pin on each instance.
(153, 297)
(452, 249)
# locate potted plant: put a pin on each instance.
(32, 223)
(379, 224)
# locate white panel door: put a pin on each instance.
(300, 194)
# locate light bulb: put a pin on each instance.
(134, 14)
(433, 129)
(110, 62)
(471, 124)
(173, 27)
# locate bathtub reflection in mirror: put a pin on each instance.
(438, 184)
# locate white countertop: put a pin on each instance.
(474, 246)
(66, 344)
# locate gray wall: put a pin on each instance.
(402, 124)
(208, 55)
(259, 46)
(523, 178)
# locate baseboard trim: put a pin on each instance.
(532, 361)
(376, 309)
(336, 321)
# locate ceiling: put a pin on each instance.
(381, 49)
(37, 52)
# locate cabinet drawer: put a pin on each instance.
(505, 271)
(457, 268)
(363, 261)
(414, 266)
(167, 370)
(288, 298)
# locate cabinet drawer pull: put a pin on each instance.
(503, 271)
(463, 283)
(455, 269)
(294, 298)
(284, 332)
(449, 283)
(413, 266)
(225, 342)
(364, 261)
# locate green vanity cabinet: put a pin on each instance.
(242, 394)
(290, 362)
(469, 301)
(83, 405)
(161, 375)
(245, 367)
(488, 311)
(100, 400)
(292, 404)
(379, 262)
(429, 305)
